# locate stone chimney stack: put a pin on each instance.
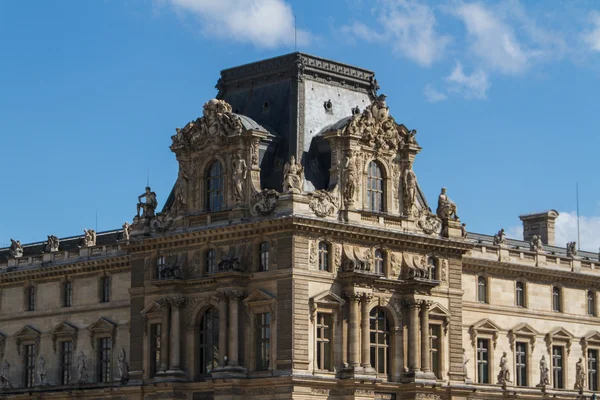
(541, 223)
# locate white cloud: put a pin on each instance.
(592, 38)
(515, 232)
(263, 23)
(432, 95)
(472, 86)
(409, 27)
(566, 231)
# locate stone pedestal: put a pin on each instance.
(451, 228)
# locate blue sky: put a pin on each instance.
(504, 96)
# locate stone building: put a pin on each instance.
(297, 257)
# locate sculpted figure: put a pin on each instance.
(446, 207)
(293, 179)
(536, 243)
(126, 230)
(123, 365)
(81, 368)
(579, 375)
(544, 377)
(239, 176)
(463, 231)
(5, 375)
(41, 370)
(181, 190)
(53, 243)
(16, 249)
(410, 190)
(500, 237)
(350, 169)
(89, 238)
(572, 249)
(465, 362)
(410, 137)
(504, 374)
(150, 205)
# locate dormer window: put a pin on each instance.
(374, 188)
(214, 186)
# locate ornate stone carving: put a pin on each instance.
(446, 207)
(444, 271)
(320, 391)
(254, 153)
(579, 375)
(572, 249)
(500, 238)
(5, 375)
(265, 202)
(375, 126)
(293, 177)
(430, 223)
(351, 180)
(52, 244)
(544, 373)
(150, 205)
(82, 374)
(181, 191)
(123, 366)
(212, 129)
(89, 238)
(409, 180)
(324, 203)
(427, 396)
(41, 371)
(238, 177)
(536, 243)
(337, 257)
(464, 365)
(504, 374)
(463, 231)
(16, 249)
(313, 255)
(162, 222)
(126, 230)
(396, 265)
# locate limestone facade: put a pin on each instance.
(346, 285)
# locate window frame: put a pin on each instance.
(104, 355)
(264, 249)
(30, 296)
(559, 369)
(104, 289)
(210, 261)
(206, 350)
(478, 293)
(262, 336)
(557, 299)
(375, 205)
(591, 297)
(67, 293)
(29, 367)
(324, 256)
(379, 260)
(437, 351)
(484, 363)
(523, 375)
(376, 347)
(66, 362)
(593, 372)
(322, 340)
(161, 264)
(260, 302)
(214, 198)
(523, 291)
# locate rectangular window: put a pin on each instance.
(591, 304)
(104, 359)
(435, 335)
(105, 289)
(263, 341)
(483, 360)
(556, 306)
(29, 365)
(557, 368)
(324, 341)
(66, 361)
(481, 289)
(593, 369)
(521, 363)
(67, 294)
(31, 298)
(155, 337)
(520, 294)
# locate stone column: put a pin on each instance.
(175, 334)
(413, 335)
(365, 333)
(164, 336)
(233, 297)
(353, 337)
(425, 336)
(222, 328)
(398, 355)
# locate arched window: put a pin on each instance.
(520, 294)
(323, 256)
(380, 341)
(263, 259)
(209, 341)
(160, 267)
(591, 303)
(379, 260)
(556, 301)
(433, 275)
(374, 188)
(481, 289)
(214, 187)
(210, 261)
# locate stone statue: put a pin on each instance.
(350, 183)
(410, 137)
(16, 249)
(126, 230)
(240, 169)
(544, 377)
(52, 244)
(463, 231)
(375, 126)
(500, 238)
(465, 362)
(536, 243)
(150, 205)
(89, 237)
(579, 375)
(504, 374)
(572, 249)
(410, 190)
(41, 370)
(5, 375)
(293, 178)
(181, 190)
(123, 366)
(446, 207)
(81, 368)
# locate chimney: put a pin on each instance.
(541, 223)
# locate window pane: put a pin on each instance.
(209, 340)
(379, 336)
(374, 188)
(593, 369)
(214, 187)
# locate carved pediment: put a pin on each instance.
(64, 330)
(152, 308)
(102, 326)
(591, 339)
(437, 310)
(559, 335)
(328, 299)
(27, 334)
(522, 330)
(486, 327)
(259, 297)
